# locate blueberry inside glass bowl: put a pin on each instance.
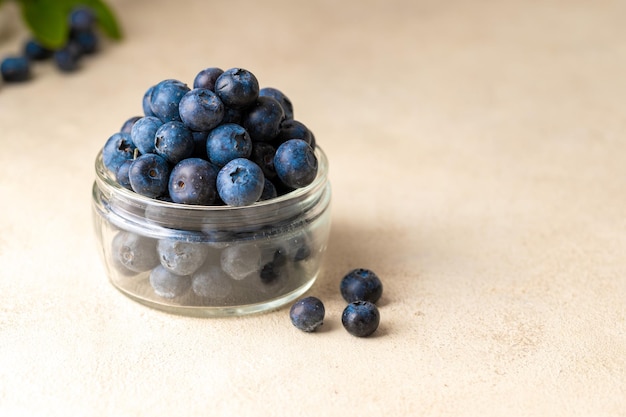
(212, 260)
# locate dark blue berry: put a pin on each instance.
(86, 41)
(143, 133)
(136, 253)
(166, 284)
(360, 318)
(227, 142)
(294, 129)
(67, 58)
(121, 176)
(201, 110)
(193, 181)
(237, 88)
(165, 99)
(149, 175)
(240, 182)
(181, 258)
(361, 285)
(269, 191)
(146, 102)
(15, 69)
(36, 51)
(81, 19)
(118, 148)
(233, 115)
(295, 163)
(307, 314)
(263, 119)
(263, 155)
(207, 77)
(284, 101)
(174, 142)
(128, 124)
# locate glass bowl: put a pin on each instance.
(212, 260)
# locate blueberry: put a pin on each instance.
(36, 51)
(121, 176)
(181, 258)
(237, 88)
(211, 281)
(360, 318)
(143, 133)
(284, 101)
(166, 284)
(128, 124)
(269, 191)
(81, 19)
(227, 142)
(136, 253)
(86, 41)
(192, 181)
(174, 142)
(165, 99)
(15, 69)
(295, 163)
(206, 78)
(263, 155)
(67, 58)
(118, 148)
(240, 182)
(200, 109)
(361, 285)
(241, 260)
(233, 115)
(307, 314)
(294, 129)
(146, 103)
(263, 119)
(149, 175)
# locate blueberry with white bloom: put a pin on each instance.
(174, 142)
(307, 314)
(118, 148)
(180, 257)
(135, 252)
(237, 88)
(240, 182)
(166, 284)
(201, 110)
(143, 133)
(165, 98)
(227, 142)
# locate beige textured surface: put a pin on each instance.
(478, 161)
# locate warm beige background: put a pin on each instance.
(478, 161)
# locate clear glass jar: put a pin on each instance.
(227, 260)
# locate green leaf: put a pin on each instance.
(46, 20)
(106, 17)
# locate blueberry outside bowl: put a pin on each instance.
(227, 261)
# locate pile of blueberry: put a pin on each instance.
(83, 40)
(224, 141)
(361, 288)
